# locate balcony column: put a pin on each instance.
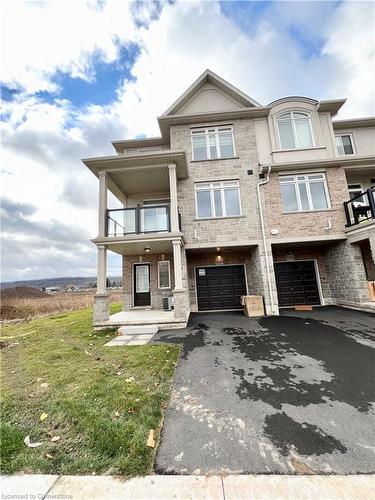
(103, 181)
(101, 299)
(177, 265)
(173, 195)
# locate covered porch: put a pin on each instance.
(154, 284)
(147, 233)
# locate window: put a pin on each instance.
(164, 274)
(344, 144)
(294, 130)
(210, 143)
(217, 199)
(354, 190)
(302, 193)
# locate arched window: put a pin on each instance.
(295, 130)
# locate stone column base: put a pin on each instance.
(180, 305)
(101, 307)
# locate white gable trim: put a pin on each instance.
(224, 86)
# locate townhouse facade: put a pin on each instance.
(235, 198)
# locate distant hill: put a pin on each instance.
(78, 281)
(21, 292)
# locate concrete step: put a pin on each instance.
(138, 329)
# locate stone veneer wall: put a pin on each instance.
(308, 253)
(368, 259)
(346, 273)
(127, 276)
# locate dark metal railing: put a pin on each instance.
(138, 220)
(360, 208)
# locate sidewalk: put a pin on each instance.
(257, 487)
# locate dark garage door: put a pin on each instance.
(296, 283)
(220, 287)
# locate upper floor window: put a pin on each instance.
(294, 129)
(344, 144)
(302, 193)
(213, 142)
(217, 199)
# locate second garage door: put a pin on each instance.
(297, 283)
(220, 287)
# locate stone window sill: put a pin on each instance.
(219, 218)
(308, 211)
(216, 159)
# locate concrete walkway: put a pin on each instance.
(260, 487)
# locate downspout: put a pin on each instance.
(262, 183)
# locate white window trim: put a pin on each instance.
(211, 188)
(292, 111)
(351, 140)
(309, 198)
(169, 275)
(351, 190)
(217, 129)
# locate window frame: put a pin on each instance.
(169, 275)
(351, 142)
(306, 181)
(203, 131)
(211, 188)
(295, 136)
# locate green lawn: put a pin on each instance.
(102, 420)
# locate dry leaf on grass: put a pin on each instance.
(55, 438)
(47, 455)
(117, 414)
(151, 439)
(44, 384)
(43, 416)
(29, 444)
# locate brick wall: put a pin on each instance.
(307, 223)
(220, 230)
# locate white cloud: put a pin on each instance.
(39, 38)
(43, 142)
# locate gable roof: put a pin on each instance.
(210, 77)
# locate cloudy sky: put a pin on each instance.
(76, 75)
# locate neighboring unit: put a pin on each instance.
(234, 199)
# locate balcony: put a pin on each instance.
(139, 220)
(361, 208)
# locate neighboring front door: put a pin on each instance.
(142, 295)
(297, 283)
(220, 287)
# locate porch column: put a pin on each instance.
(101, 287)
(101, 299)
(102, 203)
(173, 196)
(177, 264)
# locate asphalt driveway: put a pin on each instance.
(284, 394)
